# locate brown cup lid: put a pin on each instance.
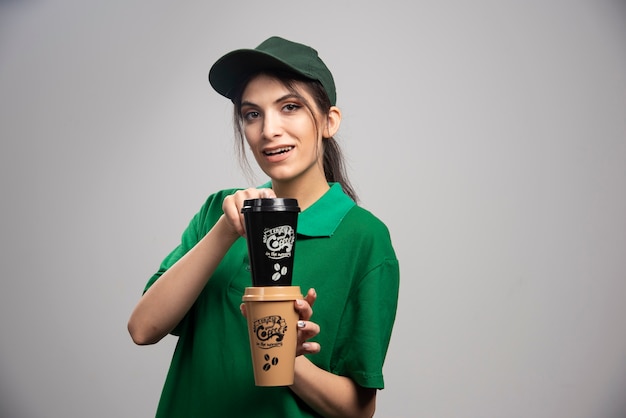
(271, 293)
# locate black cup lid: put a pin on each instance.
(275, 204)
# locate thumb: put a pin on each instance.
(267, 193)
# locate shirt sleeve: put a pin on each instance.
(367, 324)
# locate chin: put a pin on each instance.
(278, 173)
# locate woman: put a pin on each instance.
(284, 105)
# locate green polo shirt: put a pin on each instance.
(345, 253)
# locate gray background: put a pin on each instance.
(489, 135)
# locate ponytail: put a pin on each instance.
(335, 169)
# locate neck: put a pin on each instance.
(306, 195)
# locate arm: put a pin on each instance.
(331, 395)
(328, 394)
(167, 301)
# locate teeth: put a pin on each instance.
(278, 151)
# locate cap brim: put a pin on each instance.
(233, 68)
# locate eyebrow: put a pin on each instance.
(280, 99)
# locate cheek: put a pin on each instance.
(250, 135)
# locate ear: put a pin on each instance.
(332, 122)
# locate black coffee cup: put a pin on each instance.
(271, 235)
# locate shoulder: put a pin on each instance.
(365, 221)
(365, 230)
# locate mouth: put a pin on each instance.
(277, 151)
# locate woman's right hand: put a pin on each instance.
(233, 203)
(167, 301)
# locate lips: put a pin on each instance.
(277, 151)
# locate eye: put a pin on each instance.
(250, 115)
(291, 107)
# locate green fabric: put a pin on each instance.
(342, 251)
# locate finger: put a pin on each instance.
(250, 193)
(232, 205)
(307, 330)
(231, 213)
(308, 348)
(266, 193)
(242, 308)
(311, 296)
(304, 309)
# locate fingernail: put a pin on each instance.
(301, 324)
(299, 302)
(306, 346)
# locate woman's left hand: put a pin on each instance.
(306, 328)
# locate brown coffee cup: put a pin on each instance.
(273, 332)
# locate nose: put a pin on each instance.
(272, 126)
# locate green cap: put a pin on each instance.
(273, 54)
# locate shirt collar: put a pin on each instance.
(322, 218)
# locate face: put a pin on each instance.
(281, 131)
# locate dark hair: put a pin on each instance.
(333, 159)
